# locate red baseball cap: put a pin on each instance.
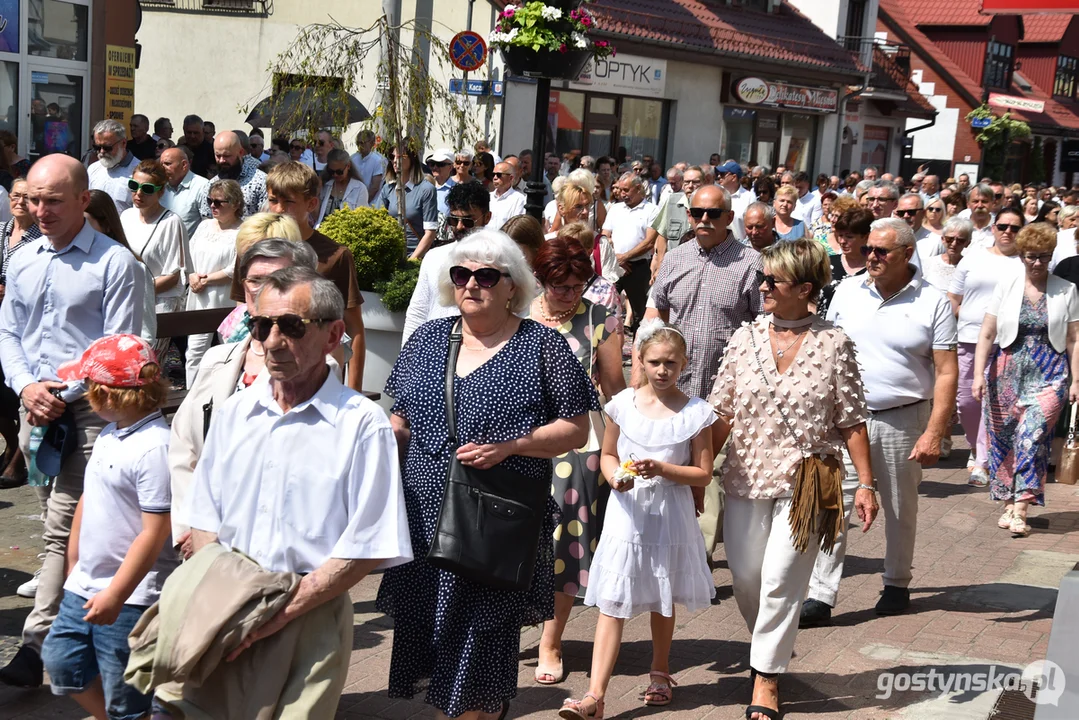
(113, 361)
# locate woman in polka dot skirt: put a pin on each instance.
(651, 556)
(520, 398)
(582, 306)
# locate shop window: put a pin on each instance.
(642, 128)
(565, 120)
(998, 66)
(56, 101)
(796, 142)
(601, 106)
(875, 139)
(9, 97)
(738, 130)
(57, 29)
(1067, 72)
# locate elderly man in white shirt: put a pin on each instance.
(904, 333)
(729, 177)
(184, 191)
(114, 164)
(331, 516)
(506, 200)
(626, 227)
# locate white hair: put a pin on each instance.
(111, 126)
(904, 235)
(490, 248)
(558, 183)
(583, 179)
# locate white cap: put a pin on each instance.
(444, 155)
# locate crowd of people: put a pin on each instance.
(710, 354)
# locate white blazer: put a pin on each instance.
(355, 196)
(1063, 304)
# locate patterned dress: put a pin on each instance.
(1027, 386)
(578, 487)
(462, 635)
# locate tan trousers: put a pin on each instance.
(62, 500)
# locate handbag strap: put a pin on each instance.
(771, 392)
(451, 368)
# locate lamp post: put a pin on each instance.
(536, 190)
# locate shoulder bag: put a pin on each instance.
(817, 503)
(490, 522)
(1068, 471)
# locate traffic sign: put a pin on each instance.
(476, 87)
(468, 51)
(980, 122)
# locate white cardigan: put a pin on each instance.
(1062, 300)
(355, 196)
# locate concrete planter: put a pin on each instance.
(382, 331)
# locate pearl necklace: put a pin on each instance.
(558, 318)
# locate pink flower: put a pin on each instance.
(509, 13)
(562, 48)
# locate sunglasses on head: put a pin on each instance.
(144, 188)
(1005, 227)
(467, 221)
(103, 148)
(770, 280)
(878, 252)
(291, 326)
(712, 213)
(486, 277)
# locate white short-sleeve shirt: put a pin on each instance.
(895, 338)
(128, 475)
(628, 225)
(294, 489)
(509, 204)
(114, 181)
(975, 278)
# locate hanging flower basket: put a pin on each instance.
(538, 39)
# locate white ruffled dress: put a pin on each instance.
(651, 553)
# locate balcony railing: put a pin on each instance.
(253, 8)
(888, 62)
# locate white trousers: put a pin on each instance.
(892, 436)
(770, 577)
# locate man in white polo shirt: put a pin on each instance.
(506, 200)
(904, 333)
(627, 226)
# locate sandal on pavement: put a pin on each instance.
(574, 709)
(550, 674)
(659, 692)
(1005, 521)
(761, 710)
(1019, 527)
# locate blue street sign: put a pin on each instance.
(468, 51)
(980, 122)
(476, 87)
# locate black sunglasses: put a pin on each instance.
(878, 252)
(501, 174)
(339, 171)
(291, 326)
(1005, 227)
(909, 212)
(467, 220)
(771, 280)
(998, 196)
(435, 164)
(103, 148)
(216, 202)
(162, 146)
(300, 148)
(486, 277)
(145, 188)
(712, 213)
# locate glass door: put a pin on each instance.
(57, 112)
(600, 141)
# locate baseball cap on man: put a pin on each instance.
(729, 167)
(114, 361)
(442, 155)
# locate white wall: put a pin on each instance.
(936, 142)
(829, 15)
(212, 65)
(697, 117)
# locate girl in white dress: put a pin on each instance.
(213, 255)
(651, 554)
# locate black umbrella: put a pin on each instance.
(303, 106)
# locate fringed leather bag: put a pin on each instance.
(817, 502)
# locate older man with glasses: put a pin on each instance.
(905, 334)
(672, 219)
(626, 227)
(506, 200)
(114, 164)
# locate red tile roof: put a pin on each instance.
(1045, 27)
(785, 37)
(945, 12)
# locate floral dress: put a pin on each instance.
(463, 636)
(1027, 387)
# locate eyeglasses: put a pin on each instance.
(712, 213)
(1043, 258)
(462, 162)
(909, 212)
(949, 239)
(771, 281)
(486, 277)
(467, 221)
(216, 202)
(103, 148)
(144, 188)
(291, 326)
(880, 200)
(998, 196)
(878, 252)
(435, 164)
(1005, 227)
(501, 174)
(339, 171)
(567, 289)
(18, 197)
(162, 146)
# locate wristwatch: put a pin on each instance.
(870, 488)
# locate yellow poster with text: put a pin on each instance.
(119, 83)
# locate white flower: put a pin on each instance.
(551, 13)
(580, 41)
(509, 7)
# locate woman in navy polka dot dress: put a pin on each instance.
(521, 398)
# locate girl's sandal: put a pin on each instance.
(659, 692)
(575, 710)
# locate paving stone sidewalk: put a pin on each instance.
(980, 600)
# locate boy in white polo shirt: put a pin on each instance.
(119, 553)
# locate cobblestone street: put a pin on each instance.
(979, 598)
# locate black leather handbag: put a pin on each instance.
(490, 522)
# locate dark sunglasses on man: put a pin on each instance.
(712, 213)
(501, 174)
(436, 164)
(486, 277)
(290, 325)
(103, 148)
(466, 221)
(908, 212)
(878, 252)
(144, 188)
(296, 148)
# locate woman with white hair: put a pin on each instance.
(520, 398)
(1068, 236)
